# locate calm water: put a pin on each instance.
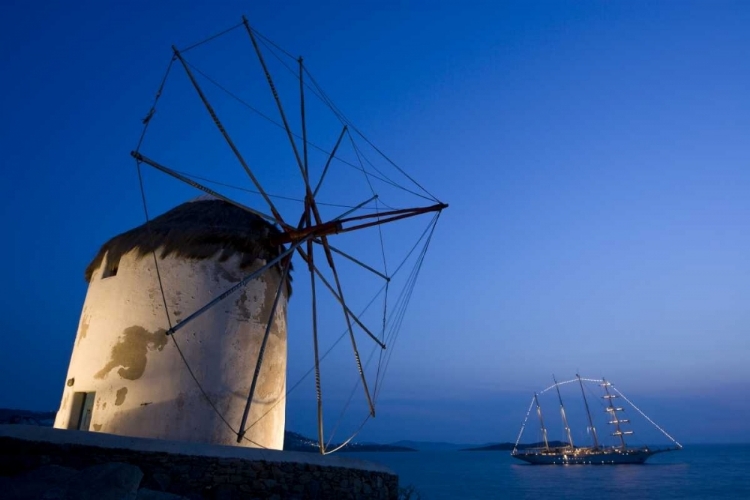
(695, 472)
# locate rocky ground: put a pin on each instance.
(110, 481)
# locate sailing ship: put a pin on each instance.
(597, 454)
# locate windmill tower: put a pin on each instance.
(128, 377)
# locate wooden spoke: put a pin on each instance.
(355, 260)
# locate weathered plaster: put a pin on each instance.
(84, 325)
(130, 352)
(121, 394)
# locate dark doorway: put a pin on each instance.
(83, 408)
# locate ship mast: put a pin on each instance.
(541, 421)
(612, 409)
(562, 412)
(588, 413)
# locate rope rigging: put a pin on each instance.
(395, 320)
(270, 195)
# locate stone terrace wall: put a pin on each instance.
(201, 474)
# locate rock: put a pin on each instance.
(52, 473)
(49, 483)
(146, 494)
(110, 481)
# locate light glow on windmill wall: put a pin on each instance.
(137, 381)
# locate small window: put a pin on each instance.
(110, 267)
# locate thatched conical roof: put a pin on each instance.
(199, 229)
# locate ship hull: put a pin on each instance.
(586, 458)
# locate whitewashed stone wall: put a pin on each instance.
(142, 385)
(194, 471)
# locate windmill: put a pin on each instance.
(307, 235)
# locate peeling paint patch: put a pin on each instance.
(121, 393)
(97, 427)
(85, 320)
(130, 352)
(241, 304)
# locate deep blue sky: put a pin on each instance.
(595, 156)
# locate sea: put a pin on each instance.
(695, 472)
